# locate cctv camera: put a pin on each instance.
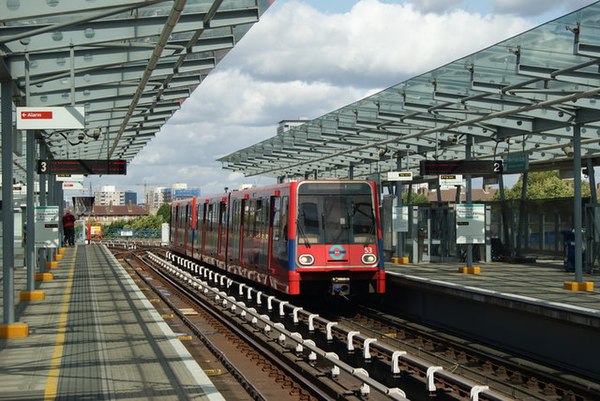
(81, 136)
(96, 133)
(568, 150)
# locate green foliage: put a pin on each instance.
(543, 185)
(117, 225)
(152, 222)
(415, 198)
(164, 212)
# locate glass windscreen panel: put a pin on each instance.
(336, 213)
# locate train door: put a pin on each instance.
(199, 209)
(181, 225)
(221, 241)
(204, 227)
(278, 247)
(248, 234)
(274, 215)
(233, 233)
(243, 214)
(211, 233)
(187, 227)
(261, 231)
(174, 215)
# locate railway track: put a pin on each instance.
(518, 377)
(369, 355)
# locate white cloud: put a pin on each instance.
(374, 44)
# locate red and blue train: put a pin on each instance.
(300, 237)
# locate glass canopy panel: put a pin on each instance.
(522, 87)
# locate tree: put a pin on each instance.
(164, 211)
(415, 198)
(152, 222)
(543, 185)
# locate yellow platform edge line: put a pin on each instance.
(51, 389)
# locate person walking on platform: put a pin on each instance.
(68, 222)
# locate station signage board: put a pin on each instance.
(75, 185)
(44, 118)
(478, 167)
(450, 180)
(46, 225)
(400, 176)
(82, 166)
(516, 162)
(470, 223)
(400, 219)
(70, 177)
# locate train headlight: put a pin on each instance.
(369, 259)
(306, 259)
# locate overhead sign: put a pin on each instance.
(516, 162)
(437, 167)
(72, 185)
(46, 220)
(187, 193)
(400, 176)
(470, 224)
(70, 117)
(450, 180)
(56, 166)
(70, 177)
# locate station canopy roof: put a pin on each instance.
(130, 64)
(522, 96)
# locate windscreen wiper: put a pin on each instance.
(302, 233)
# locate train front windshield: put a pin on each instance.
(336, 213)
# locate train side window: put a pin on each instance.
(209, 218)
(249, 218)
(258, 218)
(276, 213)
(309, 215)
(283, 223)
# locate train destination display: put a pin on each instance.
(437, 167)
(99, 167)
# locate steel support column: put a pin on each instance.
(577, 223)
(469, 195)
(522, 214)
(8, 217)
(399, 189)
(42, 252)
(30, 259)
(30, 230)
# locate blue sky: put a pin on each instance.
(306, 58)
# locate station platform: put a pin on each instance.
(520, 307)
(96, 336)
(537, 284)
